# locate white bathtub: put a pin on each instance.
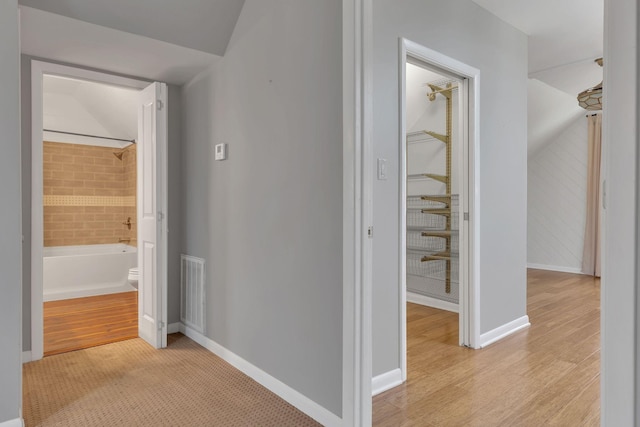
(81, 271)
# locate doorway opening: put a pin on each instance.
(438, 224)
(89, 214)
(95, 185)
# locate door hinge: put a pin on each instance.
(160, 216)
(160, 105)
(466, 216)
(370, 232)
(160, 325)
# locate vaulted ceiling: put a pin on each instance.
(163, 40)
(204, 25)
(565, 37)
(172, 41)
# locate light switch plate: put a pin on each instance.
(221, 151)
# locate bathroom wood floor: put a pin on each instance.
(78, 323)
(548, 374)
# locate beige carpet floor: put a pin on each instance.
(131, 384)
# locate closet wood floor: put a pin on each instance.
(548, 374)
(78, 323)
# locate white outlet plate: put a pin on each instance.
(221, 151)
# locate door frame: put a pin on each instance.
(357, 190)
(468, 162)
(38, 69)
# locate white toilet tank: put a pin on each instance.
(133, 277)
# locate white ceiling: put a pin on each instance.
(565, 37)
(50, 36)
(147, 38)
(204, 25)
(91, 108)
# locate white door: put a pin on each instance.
(152, 218)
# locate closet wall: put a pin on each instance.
(432, 205)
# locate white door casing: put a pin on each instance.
(152, 208)
(38, 70)
(468, 164)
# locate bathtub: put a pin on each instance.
(82, 271)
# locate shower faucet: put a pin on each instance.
(128, 223)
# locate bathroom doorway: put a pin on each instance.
(98, 209)
(89, 214)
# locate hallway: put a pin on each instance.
(129, 383)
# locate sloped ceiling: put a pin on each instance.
(549, 110)
(565, 37)
(91, 108)
(59, 38)
(204, 25)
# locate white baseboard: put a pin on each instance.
(295, 398)
(173, 328)
(26, 356)
(557, 268)
(502, 331)
(17, 422)
(431, 302)
(386, 381)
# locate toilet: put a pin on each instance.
(133, 277)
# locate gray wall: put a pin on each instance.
(268, 220)
(174, 198)
(620, 328)
(462, 30)
(10, 236)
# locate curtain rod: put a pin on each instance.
(133, 141)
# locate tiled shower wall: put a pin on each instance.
(88, 194)
(130, 189)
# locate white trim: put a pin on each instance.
(16, 422)
(469, 304)
(38, 69)
(386, 381)
(432, 302)
(26, 356)
(402, 215)
(555, 268)
(295, 398)
(503, 331)
(173, 328)
(357, 46)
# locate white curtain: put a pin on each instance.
(591, 253)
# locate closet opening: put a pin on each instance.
(438, 257)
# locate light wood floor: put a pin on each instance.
(78, 323)
(546, 375)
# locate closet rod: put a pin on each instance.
(133, 141)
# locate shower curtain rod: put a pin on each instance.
(133, 141)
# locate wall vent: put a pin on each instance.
(192, 292)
